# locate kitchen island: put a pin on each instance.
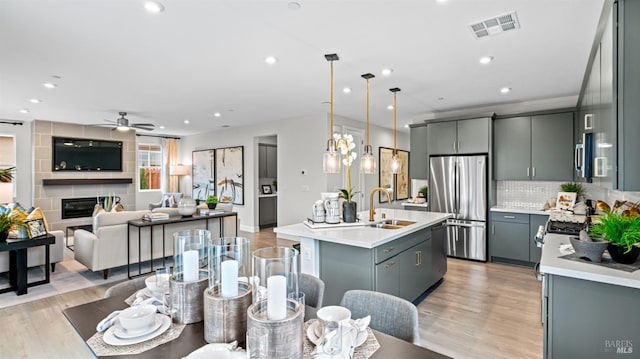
(588, 311)
(404, 260)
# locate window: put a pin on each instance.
(7, 160)
(149, 167)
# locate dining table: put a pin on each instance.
(85, 317)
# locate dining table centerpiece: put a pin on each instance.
(346, 145)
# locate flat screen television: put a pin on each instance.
(84, 154)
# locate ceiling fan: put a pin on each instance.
(122, 124)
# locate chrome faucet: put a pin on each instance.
(372, 210)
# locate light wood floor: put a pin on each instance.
(480, 310)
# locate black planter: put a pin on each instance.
(211, 205)
(349, 212)
(618, 253)
(3, 236)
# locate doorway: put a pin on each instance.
(267, 181)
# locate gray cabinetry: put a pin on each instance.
(268, 207)
(589, 320)
(401, 267)
(538, 147)
(511, 238)
(267, 161)
(459, 137)
(419, 159)
(438, 253)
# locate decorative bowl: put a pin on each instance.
(591, 251)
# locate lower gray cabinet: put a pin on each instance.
(438, 253)
(268, 211)
(387, 277)
(511, 237)
(415, 264)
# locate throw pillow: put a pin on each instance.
(118, 208)
(168, 201)
(37, 213)
(18, 232)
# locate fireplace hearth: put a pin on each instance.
(81, 207)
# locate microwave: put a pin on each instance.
(584, 157)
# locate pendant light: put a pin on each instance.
(368, 162)
(396, 164)
(331, 159)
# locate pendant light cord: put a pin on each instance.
(331, 105)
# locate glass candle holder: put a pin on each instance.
(190, 254)
(229, 262)
(274, 274)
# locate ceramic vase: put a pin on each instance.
(349, 212)
(618, 253)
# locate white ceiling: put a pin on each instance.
(199, 57)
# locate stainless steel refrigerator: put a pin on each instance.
(458, 185)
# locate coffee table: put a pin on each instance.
(18, 265)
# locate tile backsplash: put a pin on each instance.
(533, 194)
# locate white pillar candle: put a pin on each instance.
(190, 266)
(229, 279)
(276, 297)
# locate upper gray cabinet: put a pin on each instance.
(419, 159)
(536, 147)
(268, 161)
(458, 137)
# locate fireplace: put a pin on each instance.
(78, 207)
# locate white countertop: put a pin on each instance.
(551, 264)
(267, 195)
(411, 204)
(519, 210)
(364, 236)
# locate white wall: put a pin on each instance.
(301, 144)
(24, 163)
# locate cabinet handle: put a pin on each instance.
(454, 146)
(390, 249)
(533, 174)
(588, 121)
(493, 229)
(389, 265)
(458, 149)
(510, 217)
(418, 258)
(527, 171)
(599, 164)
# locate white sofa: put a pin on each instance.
(35, 255)
(106, 247)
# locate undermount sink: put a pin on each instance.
(391, 224)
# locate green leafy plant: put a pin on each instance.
(8, 220)
(575, 187)
(6, 174)
(423, 191)
(620, 229)
(212, 199)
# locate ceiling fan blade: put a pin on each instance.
(143, 126)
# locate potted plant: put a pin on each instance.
(212, 201)
(7, 221)
(349, 208)
(422, 192)
(574, 187)
(623, 233)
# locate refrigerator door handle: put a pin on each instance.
(465, 225)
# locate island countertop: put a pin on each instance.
(550, 263)
(364, 236)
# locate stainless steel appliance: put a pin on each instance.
(458, 185)
(584, 157)
(565, 227)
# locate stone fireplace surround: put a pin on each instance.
(49, 197)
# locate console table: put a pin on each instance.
(141, 223)
(18, 265)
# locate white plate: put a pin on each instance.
(144, 293)
(122, 333)
(111, 339)
(214, 350)
(311, 334)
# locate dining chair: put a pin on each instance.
(126, 287)
(389, 314)
(313, 289)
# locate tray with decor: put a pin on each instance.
(323, 225)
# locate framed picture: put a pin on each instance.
(396, 184)
(266, 189)
(385, 176)
(402, 178)
(35, 228)
(566, 200)
(229, 174)
(202, 184)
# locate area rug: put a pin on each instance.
(70, 275)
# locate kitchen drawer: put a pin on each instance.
(397, 246)
(510, 217)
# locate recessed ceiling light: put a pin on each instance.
(35, 100)
(186, 121)
(153, 7)
(57, 77)
(270, 60)
(390, 107)
(162, 127)
(505, 89)
(49, 85)
(217, 114)
(293, 5)
(346, 90)
(486, 59)
(24, 110)
(440, 98)
(225, 126)
(386, 72)
(406, 126)
(441, 0)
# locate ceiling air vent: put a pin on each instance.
(495, 25)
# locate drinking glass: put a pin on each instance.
(257, 343)
(162, 283)
(332, 338)
(297, 297)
